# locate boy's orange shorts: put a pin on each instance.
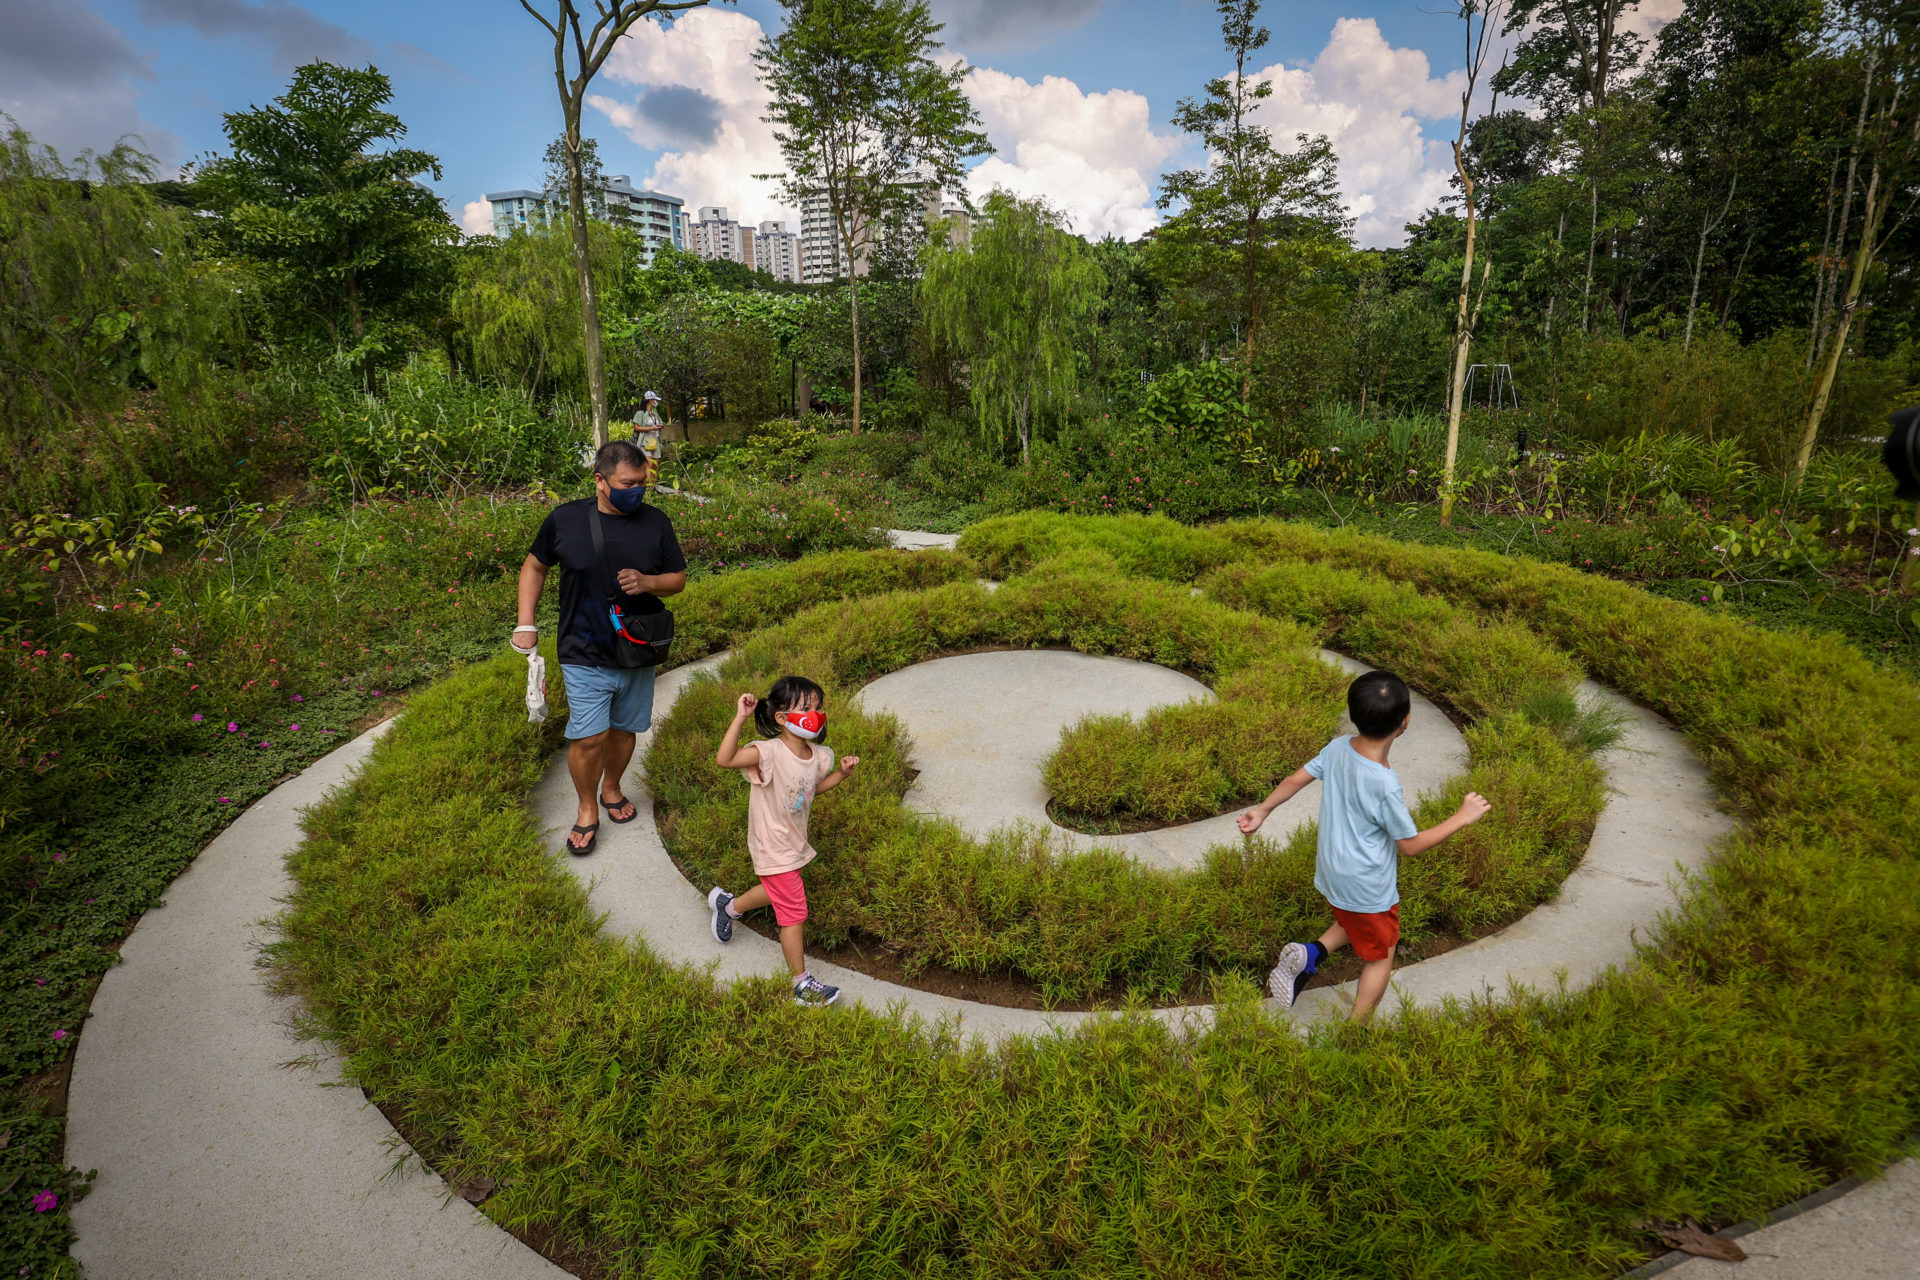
(1374, 934)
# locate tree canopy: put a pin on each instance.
(349, 248)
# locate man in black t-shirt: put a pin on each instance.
(606, 704)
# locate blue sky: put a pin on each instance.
(473, 82)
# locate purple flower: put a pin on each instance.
(45, 1201)
(298, 698)
(233, 726)
(266, 744)
(294, 727)
(224, 800)
(59, 1034)
(376, 693)
(197, 717)
(39, 982)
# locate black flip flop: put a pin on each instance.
(593, 837)
(615, 804)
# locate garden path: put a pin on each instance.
(216, 1161)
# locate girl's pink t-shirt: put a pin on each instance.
(778, 802)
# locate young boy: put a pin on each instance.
(1364, 829)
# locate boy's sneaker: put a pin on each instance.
(811, 991)
(718, 901)
(1290, 976)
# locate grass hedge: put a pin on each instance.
(1081, 924)
(651, 1123)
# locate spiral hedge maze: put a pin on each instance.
(1081, 924)
(642, 1120)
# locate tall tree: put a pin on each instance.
(866, 117)
(347, 242)
(1252, 203)
(579, 50)
(1478, 18)
(1885, 44)
(1012, 303)
(1568, 60)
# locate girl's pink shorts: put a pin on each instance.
(788, 893)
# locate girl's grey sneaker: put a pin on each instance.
(718, 900)
(811, 991)
(1291, 974)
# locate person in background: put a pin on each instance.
(647, 425)
(607, 704)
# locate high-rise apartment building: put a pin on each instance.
(776, 251)
(823, 254)
(654, 215)
(717, 236)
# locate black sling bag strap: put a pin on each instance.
(639, 639)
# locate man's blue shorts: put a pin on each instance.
(602, 698)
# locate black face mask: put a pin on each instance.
(627, 501)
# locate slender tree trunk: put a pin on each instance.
(1832, 274)
(1700, 256)
(1593, 241)
(1553, 298)
(1820, 276)
(1830, 366)
(1733, 289)
(1462, 341)
(853, 305)
(583, 269)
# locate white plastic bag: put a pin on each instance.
(536, 687)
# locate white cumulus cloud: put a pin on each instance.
(1093, 155)
(476, 218)
(1372, 101)
(699, 102)
(714, 137)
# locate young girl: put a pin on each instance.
(785, 773)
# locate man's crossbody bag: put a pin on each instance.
(639, 640)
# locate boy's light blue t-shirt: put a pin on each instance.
(1362, 812)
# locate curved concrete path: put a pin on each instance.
(985, 782)
(1660, 821)
(218, 1162)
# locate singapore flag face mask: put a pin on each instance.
(807, 724)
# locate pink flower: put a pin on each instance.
(224, 800)
(197, 717)
(59, 1035)
(294, 727)
(298, 698)
(45, 1201)
(233, 726)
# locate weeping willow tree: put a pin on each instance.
(1011, 304)
(111, 333)
(517, 307)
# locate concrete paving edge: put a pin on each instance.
(215, 1158)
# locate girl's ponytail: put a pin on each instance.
(787, 693)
